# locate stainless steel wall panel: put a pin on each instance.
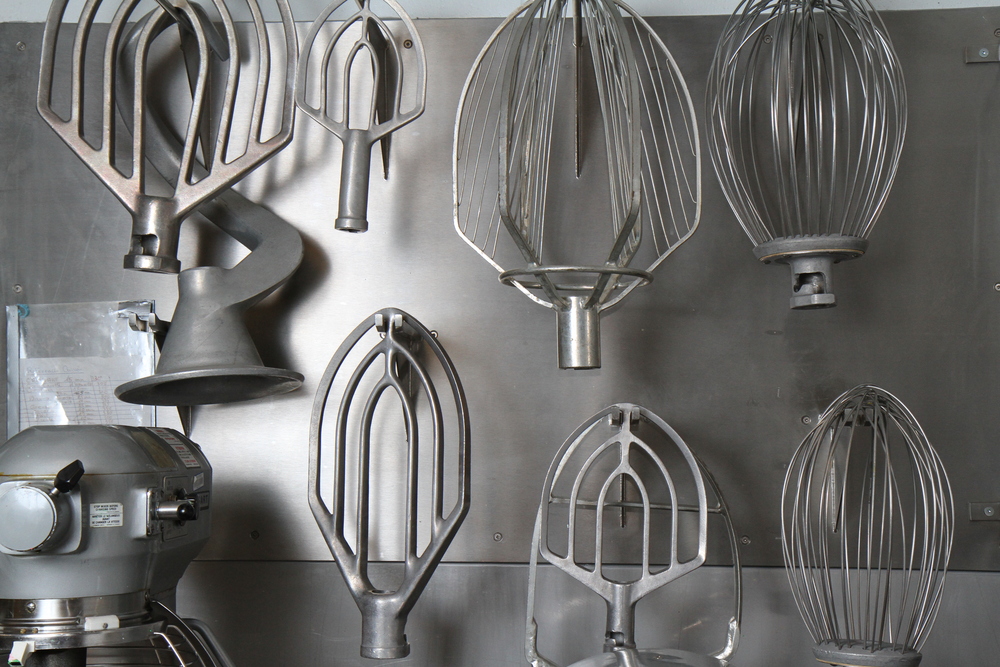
(473, 615)
(710, 345)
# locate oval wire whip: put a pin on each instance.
(526, 127)
(626, 442)
(808, 114)
(384, 613)
(208, 164)
(385, 114)
(867, 523)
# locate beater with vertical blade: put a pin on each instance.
(381, 116)
(867, 521)
(591, 175)
(807, 108)
(627, 463)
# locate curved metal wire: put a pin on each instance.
(509, 146)
(384, 612)
(208, 164)
(808, 114)
(867, 521)
(600, 465)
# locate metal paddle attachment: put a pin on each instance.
(216, 152)
(627, 470)
(359, 128)
(393, 365)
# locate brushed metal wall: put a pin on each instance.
(710, 346)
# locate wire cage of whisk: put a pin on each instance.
(807, 115)
(867, 522)
(621, 135)
(622, 464)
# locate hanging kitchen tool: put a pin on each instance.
(97, 525)
(867, 521)
(393, 365)
(808, 113)
(562, 91)
(623, 464)
(359, 126)
(216, 151)
(208, 355)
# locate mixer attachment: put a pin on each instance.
(384, 612)
(808, 114)
(523, 136)
(867, 523)
(215, 152)
(622, 464)
(207, 355)
(359, 127)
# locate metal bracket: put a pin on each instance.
(982, 54)
(984, 511)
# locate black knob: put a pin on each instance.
(187, 511)
(69, 477)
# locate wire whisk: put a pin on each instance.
(808, 113)
(576, 135)
(867, 521)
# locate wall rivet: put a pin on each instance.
(807, 420)
(18, 289)
(21, 46)
(989, 511)
(745, 539)
(498, 537)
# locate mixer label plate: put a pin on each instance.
(107, 515)
(183, 451)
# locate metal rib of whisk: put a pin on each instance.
(867, 522)
(395, 365)
(384, 113)
(587, 480)
(208, 164)
(808, 114)
(521, 119)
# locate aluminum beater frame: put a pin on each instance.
(506, 145)
(156, 219)
(620, 597)
(867, 522)
(383, 613)
(385, 112)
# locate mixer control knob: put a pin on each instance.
(68, 478)
(184, 509)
